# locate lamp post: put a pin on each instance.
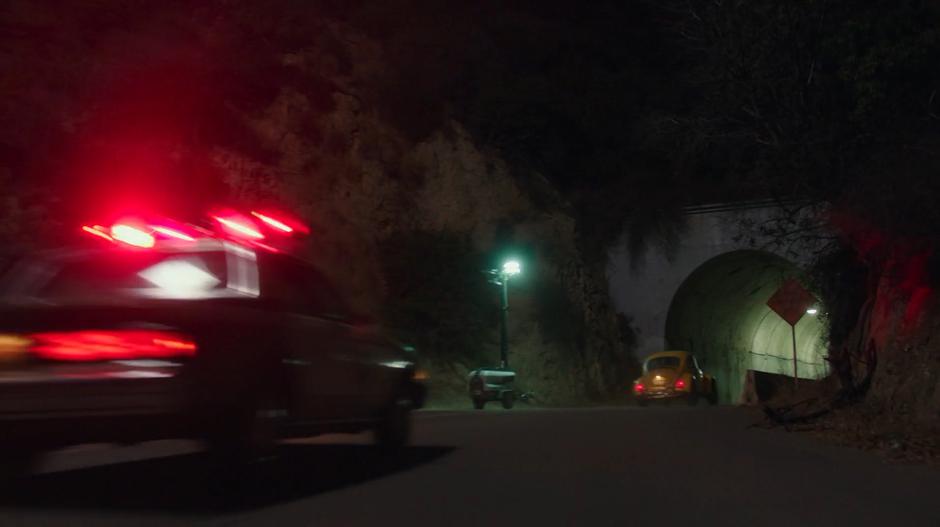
(510, 269)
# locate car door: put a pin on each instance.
(356, 356)
(384, 368)
(315, 343)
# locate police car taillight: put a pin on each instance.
(104, 345)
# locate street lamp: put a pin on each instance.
(510, 268)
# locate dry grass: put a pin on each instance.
(876, 423)
(866, 427)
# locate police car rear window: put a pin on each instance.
(145, 274)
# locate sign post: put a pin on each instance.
(796, 378)
(790, 302)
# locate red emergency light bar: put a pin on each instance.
(173, 233)
(143, 237)
(98, 231)
(280, 223)
(132, 235)
(227, 223)
(240, 227)
(273, 222)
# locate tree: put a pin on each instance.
(825, 101)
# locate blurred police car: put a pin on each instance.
(169, 330)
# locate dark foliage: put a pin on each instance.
(435, 282)
(829, 101)
(843, 284)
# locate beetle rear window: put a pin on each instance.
(660, 363)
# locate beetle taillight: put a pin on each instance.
(680, 384)
(102, 345)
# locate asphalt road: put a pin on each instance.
(612, 466)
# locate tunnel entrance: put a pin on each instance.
(720, 314)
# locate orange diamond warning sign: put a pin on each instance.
(791, 301)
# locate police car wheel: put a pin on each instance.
(247, 434)
(394, 428)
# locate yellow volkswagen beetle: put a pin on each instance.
(669, 375)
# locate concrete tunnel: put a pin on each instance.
(720, 313)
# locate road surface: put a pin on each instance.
(606, 466)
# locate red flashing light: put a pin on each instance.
(266, 247)
(680, 384)
(273, 222)
(172, 233)
(98, 231)
(173, 344)
(239, 228)
(99, 345)
(132, 236)
(229, 223)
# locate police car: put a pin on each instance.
(160, 329)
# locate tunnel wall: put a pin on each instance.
(720, 314)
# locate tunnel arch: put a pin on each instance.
(720, 313)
